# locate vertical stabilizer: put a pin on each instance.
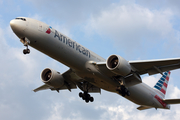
(162, 84)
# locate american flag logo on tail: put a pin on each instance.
(162, 84)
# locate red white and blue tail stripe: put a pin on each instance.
(162, 84)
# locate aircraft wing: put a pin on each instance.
(71, 82)
(70, 79)
(145, 66)
(155, 66)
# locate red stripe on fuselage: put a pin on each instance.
(160, 101)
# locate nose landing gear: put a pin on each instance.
(26, 42)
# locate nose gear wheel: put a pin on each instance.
(26, 51)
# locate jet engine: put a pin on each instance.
(118, 65)
(52, 78)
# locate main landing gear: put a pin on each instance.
(123, 91)
(85, 96)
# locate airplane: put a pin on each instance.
(90, 72)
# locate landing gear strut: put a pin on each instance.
(123, 91)
(85, 96)
(121, 88)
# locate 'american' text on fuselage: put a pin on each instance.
(72, 44)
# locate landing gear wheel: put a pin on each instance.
(128, 93)
(87, 100)
(80, 94)
(123, 94)
(26, 51)
(85, 96)
(88, 96)
(123, 91)
(91, 99)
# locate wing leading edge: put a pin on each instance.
(145, 66)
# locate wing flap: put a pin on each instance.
(172, 101)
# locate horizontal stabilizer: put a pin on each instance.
(172, 101)
(143, 107)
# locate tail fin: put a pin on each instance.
(162, 84)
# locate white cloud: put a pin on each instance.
(132, 26)
(161, 4)
(71, 13)
(175, 92)
(151, 80)
(57, 113)
(35, 16)
(62, 28)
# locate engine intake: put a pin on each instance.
(52, 78)
(118, 65)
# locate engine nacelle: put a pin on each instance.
(118, 65)
(52, 78)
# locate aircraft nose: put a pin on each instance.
(18, 27)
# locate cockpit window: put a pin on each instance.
(21, 19)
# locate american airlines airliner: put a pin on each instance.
(90, 72)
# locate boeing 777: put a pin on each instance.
(90, 72)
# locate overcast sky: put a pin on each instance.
(135, 30)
